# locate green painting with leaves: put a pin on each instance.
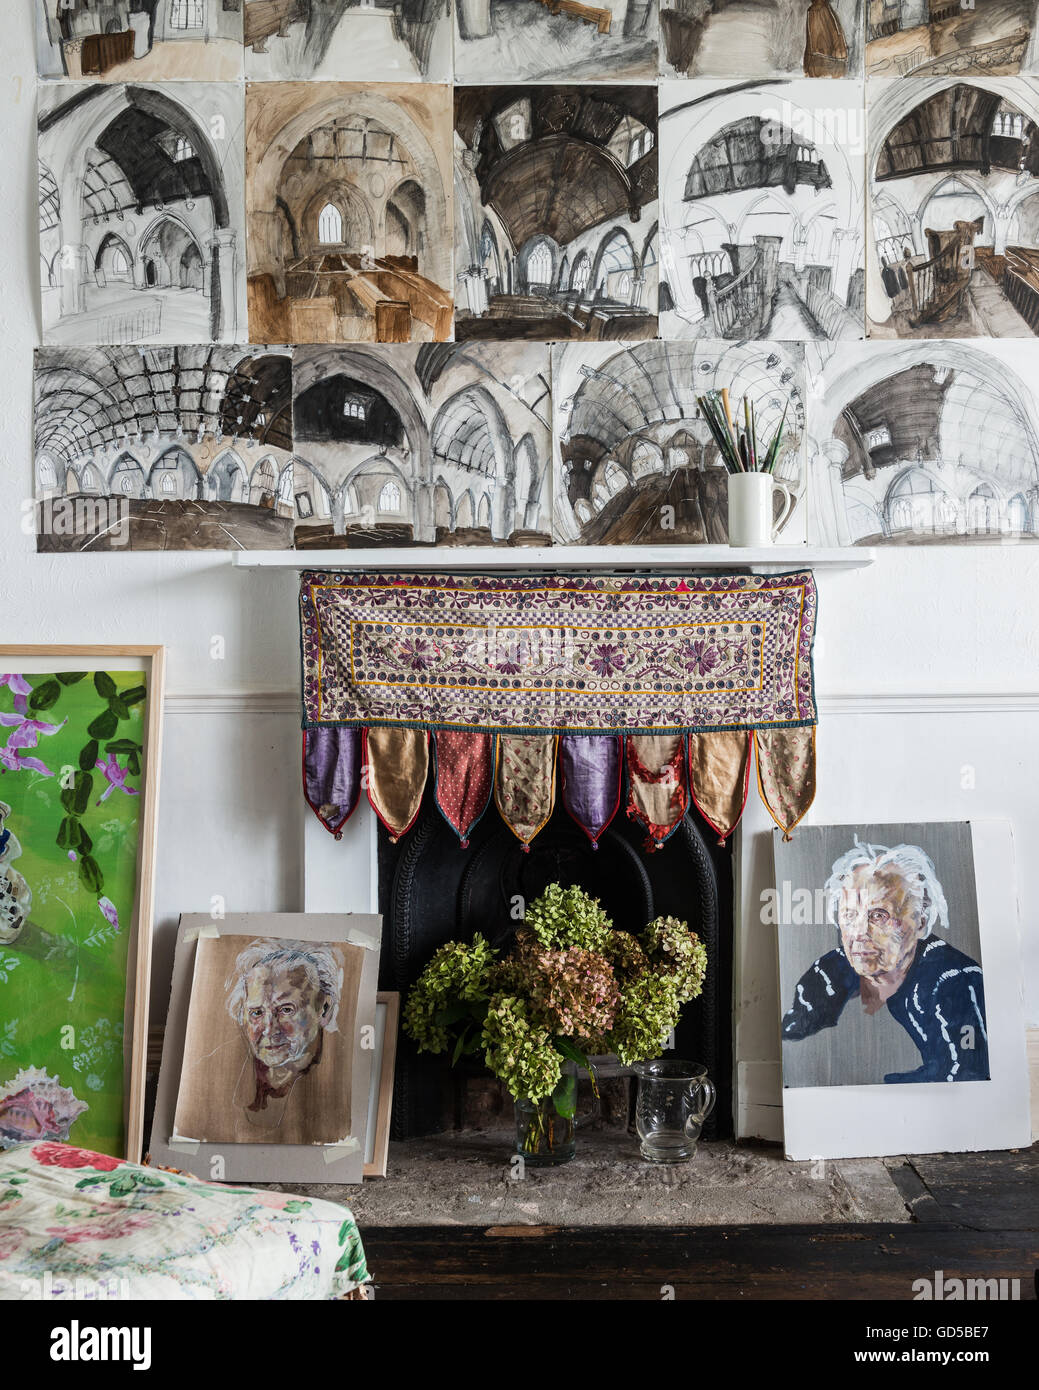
(71, 749)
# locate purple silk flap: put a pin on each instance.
(591, 767)
(332, 774)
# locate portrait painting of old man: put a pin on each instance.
(269, 1044)
(881, 976)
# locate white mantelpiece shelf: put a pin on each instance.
(764, 560)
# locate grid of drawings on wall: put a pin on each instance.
(505, 300)
(429, 445)
(924, 443)
(635, 460)
(556, 233)
(762, 211)
(141, 213)
(165, 448)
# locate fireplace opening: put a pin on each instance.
(432, 891)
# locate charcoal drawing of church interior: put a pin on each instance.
(556, 221)
(381, 40)
(164, 448)
(139, 40)
(762, 208)
(955, 209)
(349, 210)
(140, 213)
(925, 443)
(635, 462)
(761, 38)
(556, 40)
(942, 38)
(431, 444)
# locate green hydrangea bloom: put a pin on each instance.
(647, 1013)
(519, 1049)
(625, 955)
(565, 917)
(456, 973)
(678, 952)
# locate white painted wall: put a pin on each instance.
(927, 662)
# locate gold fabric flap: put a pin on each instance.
(396, 762)
(719, 773)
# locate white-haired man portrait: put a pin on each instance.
(284, 996)
(890, 913)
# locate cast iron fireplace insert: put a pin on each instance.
(432, 891)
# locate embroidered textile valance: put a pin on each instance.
(653, 693)
(558, 653)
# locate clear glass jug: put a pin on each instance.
(674, 1098)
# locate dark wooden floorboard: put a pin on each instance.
(983, 1191)
(704, 1262)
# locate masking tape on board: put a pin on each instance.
(209, 931)
(185, 1146)
(359, 938)
(334, 1152)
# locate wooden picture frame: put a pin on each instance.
(111, 660)
(380, 1100)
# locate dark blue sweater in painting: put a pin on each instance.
(941, 997)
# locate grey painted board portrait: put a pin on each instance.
(880, 964)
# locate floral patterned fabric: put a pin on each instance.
(74, 1223)
(525, 784)
(550, 654)
(786, 774)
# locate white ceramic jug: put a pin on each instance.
(751, 508)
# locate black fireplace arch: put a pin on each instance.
(432, 891)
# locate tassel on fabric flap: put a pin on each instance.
(658, 791)
(719, 776)
(332, 774)
(525, 782)
(397, 762)
(786, 774)
(591, 780)
(464, 778)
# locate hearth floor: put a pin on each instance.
(465, 1179)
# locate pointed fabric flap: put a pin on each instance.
(786, 774)
(397, 762)
(719, 776)
(525, 782)
(332, 774)
(591, 780)
(658, 791)
(465, 778)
